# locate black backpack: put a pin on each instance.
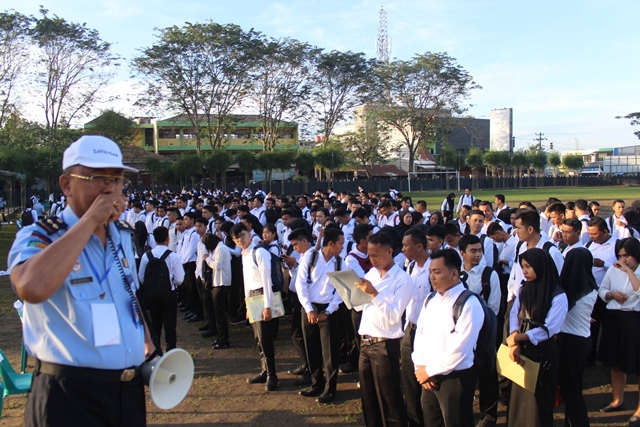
(496, 255)
(545, 247)
(277, 278)
(314, 260)
(27, 217)
(485, 281)
(156, 287)
(484, 355)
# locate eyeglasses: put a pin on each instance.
(104, 180)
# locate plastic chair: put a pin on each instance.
(14, 383)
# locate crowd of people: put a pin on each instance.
(416, 367)
(558, 285)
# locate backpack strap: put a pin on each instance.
(410, 267)
(312, 263)
(150, 255)
(589, 243)
(459, 304)
(165, 255)
(482, 239)
(486, 282)
(518, 246)
(429, 298)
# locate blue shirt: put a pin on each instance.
(60, 330)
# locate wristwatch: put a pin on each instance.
(327, 313)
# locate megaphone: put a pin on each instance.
(169, 378)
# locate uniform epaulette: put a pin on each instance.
(123, 225)
(52, 225)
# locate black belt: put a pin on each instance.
(367, 340)
(90, 374)
(319, 308)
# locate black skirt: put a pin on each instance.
(620, 342)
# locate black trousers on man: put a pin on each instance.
(297, 337)
(190, 287)
(380, 383)
(220, 297)
(263, 332)
(321, 340)
(451, 405)
(165, 314)
(410, 386)
(77, 402)
(488, 391)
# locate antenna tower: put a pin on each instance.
(382, 45)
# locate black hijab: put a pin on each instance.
(536, 296)
(577, 276)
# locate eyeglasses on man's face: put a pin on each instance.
(104, 180)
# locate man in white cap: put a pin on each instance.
(82, 321)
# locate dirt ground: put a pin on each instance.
(220, 395)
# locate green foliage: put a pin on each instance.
(331, 157)
(158, 169)
(635, 120)
(475, 158)
(14, 55)
(538, 160)
(365, 147)
(448, 157)
(519, 159)
(554, 159)
(573, 161)
(115, 126)
(305, 162)
(187, 166)
(247, 163)
(217, 161)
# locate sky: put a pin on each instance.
(566, 67)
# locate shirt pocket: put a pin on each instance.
(83, 288)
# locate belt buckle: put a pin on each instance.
(366, 341)
(127, 375)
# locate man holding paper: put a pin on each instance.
(381, 330)
(320, 318)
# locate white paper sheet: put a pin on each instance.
(255, 306)
(106, 327)
(344, 282)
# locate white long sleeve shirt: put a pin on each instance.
(320, 290)
(436, 347)
(176, 272)
(606, 252)
(554, 320)
(616, 280)
(189, 248)
(382, 317)
(508, 254)
(474, 282)
(421, 288)
(220, 262)
(578, 320)
(257, 274)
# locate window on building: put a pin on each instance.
(168, 134)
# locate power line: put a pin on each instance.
(539, 139)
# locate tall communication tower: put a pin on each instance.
(382, 44)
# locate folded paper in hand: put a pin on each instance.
(525, 373)
(255, 306)
(344, 282)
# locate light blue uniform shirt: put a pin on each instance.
(60, 330)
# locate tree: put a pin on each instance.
(573, 162)
(217, 163)
(156, 168)
(281, 86)
(635, 120)
(330, 157)
(202, 71)
(305, 163)
(187, 166)
(554, 161)
(115, 126)
(475, 160)
(539, 161)
(73, 67)
(14, 55)
(449, 158)
(411, 95)
(267, 161)
(340, 83)
(247, 163)
(494, 159)
(366, 146)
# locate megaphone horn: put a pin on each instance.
(169, 378)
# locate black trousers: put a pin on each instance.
(573, 352)
(321, 340)
(410, 386)
(356, 317)
(297, 337)
(488, 391)
(348, 337)
(504, 383)
(380, 385)
(504, 279)
(452, 404)
(198, 296)
(236, 299)
(264, 332)
(60, 401)
(220, 296)
(208, 306)
(189, 285)
(165, 315)
(598, 315)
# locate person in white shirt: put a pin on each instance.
(257, 281)
(556, 214)
(259, 209)
(173, 214)
(574, 339)
(582, 214)
(165, 314)
(499, 201)
(218, 258)
(421, 208)
(203, 300)
(620, 289)
(381, 330)
(388, 215)
(321, 320)
(484, 282)
(476, 223)
(571, 231)
(188, 251)
(443, 350)
(617, 222)
(302, 204)
(414, 247)
(465, 199)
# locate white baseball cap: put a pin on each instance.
(94, 151)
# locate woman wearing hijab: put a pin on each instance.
(632, 216)
(537, 315)
(448, 206)
(406, 221)
(620, 342)
(574, 340)
(436, 219)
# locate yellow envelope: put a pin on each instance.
(525, 373)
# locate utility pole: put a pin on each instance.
(539, 139)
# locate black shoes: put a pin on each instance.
(272, 383)
(238, 320)
(305, 379)
(348, 368)
(325, 398)
(261, 378)
(195, 319)
(311, 392)
(188, 315)
(209, 333)
(300, 370)
(219, 345)
(204, 328)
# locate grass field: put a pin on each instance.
(538, 196)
